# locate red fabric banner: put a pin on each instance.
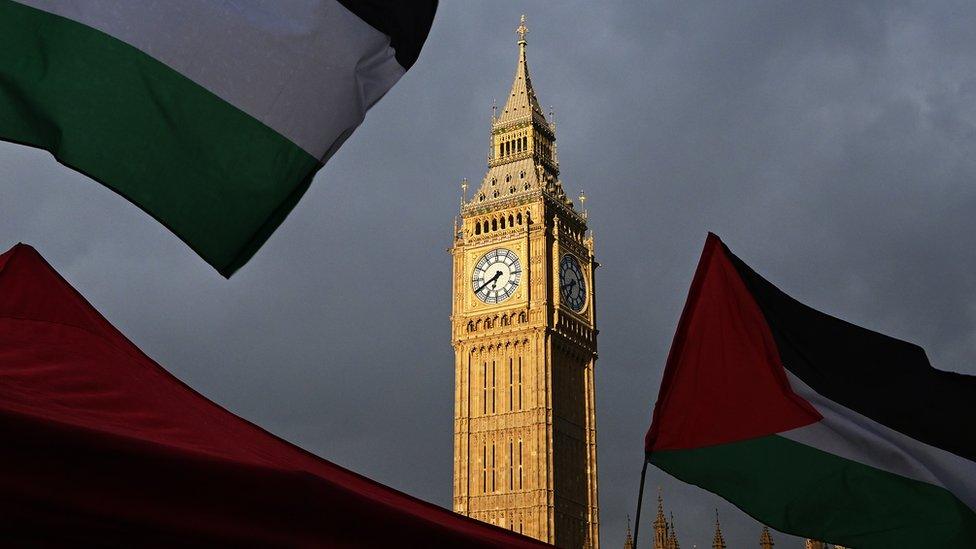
(102, 446)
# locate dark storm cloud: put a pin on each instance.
(833, 147)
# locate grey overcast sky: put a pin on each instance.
(831, 144)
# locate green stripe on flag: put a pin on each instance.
(801, 490)
(218, 178)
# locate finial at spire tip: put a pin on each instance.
(522, 30)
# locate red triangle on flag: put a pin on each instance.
(724, 380)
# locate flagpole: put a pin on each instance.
(640, 499)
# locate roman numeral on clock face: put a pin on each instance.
(572, 284)
(496, 275)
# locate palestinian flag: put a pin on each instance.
(810, 424)
(213, 117)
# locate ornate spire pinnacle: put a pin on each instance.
(660, 524)
(673, 536)
(718, 542)
(629, 538)
(765, 539)
(660, 518)
(522, 102)
(522, 157)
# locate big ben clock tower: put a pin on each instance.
(524, 336)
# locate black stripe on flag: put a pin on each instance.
(885, 379)
(406, 22)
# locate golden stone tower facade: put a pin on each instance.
(524, 335)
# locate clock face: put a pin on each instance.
(572, 285)
(496, 276)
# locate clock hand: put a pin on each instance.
(569, 284)
(489, 281)
(494, 279)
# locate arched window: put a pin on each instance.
(508, 178)
(519, 471)
(495, 194)
(492, 466)
(470, 326)
(518, 219)
(503, 222)
(511, 219)
(485, 229)
(520, 383)
(501, 149)
(511, 384)
(493, 396)
(494, 224)
(522, 174)
(477, 228)
(511, 465)
(484, 387)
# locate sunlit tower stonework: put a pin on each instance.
(524, 335)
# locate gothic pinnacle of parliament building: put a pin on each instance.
(666, 535)
(524, 335)
(718, 541)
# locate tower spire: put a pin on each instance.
(673, 536)
(660, 524)
(522, 152)
(522, 103)
(629, 538)
(718, 542)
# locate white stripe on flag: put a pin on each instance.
(850, 435)
(309, 69)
